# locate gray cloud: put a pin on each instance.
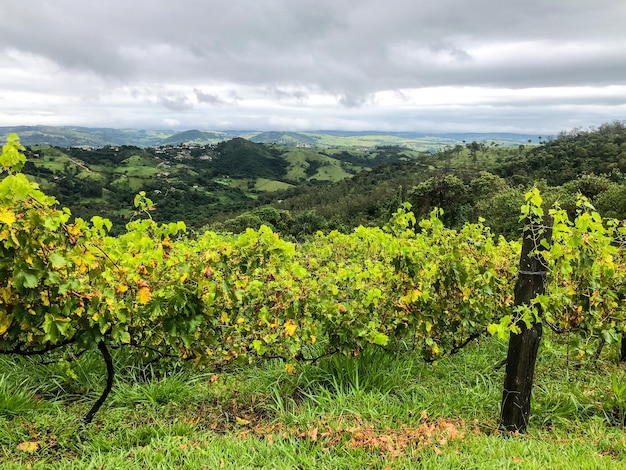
(208, 98)
(176, 102)
(254, 57)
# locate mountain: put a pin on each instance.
(194, 137)
(296, 139)
(69, 136)
(84, 136)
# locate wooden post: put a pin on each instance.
(622, 355)
(523, 346)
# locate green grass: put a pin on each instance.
(367, 141)
(263, 184)
(135, 184)
(329, 167)
(375, 410)
(332, 172)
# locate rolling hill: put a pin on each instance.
(99, 137)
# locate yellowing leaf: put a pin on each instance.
(5, 321)
(290, 328)
(412, 296)
(7, 216)
(243, 422)
(28, 446)
(121, 288)
(5, 292)
(144, 295)
(313, 339)
(290, 368)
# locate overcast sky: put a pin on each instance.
(532, 66)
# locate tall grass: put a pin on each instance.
(375, 410)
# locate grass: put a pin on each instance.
(332, 172)
(329, 168)
(376, 410)
(263, 184)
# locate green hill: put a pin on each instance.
(470, 181)
(73, 136)
(295, 139)
(334, 187)
(84, 136)
(194, 137)
(240, 158)
(192, 182)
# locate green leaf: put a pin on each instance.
(26, 278)
(121, 336)
(50, 329)
(57, 260)
(15, 187)
(11, 157)
(379, 338)
(259, 347)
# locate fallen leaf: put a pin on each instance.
(28, 446)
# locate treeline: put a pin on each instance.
(468, 182)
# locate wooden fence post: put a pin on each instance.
(523, 346)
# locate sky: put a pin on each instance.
(532, 66)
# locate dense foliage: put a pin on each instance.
(479, 180)
(219, 298)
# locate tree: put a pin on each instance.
(447, 192)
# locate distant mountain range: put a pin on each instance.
(100, 137)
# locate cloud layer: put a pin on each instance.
(449, 65)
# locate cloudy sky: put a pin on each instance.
(537, 66)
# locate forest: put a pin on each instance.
(237, 184)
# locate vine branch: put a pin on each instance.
(109, 383)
